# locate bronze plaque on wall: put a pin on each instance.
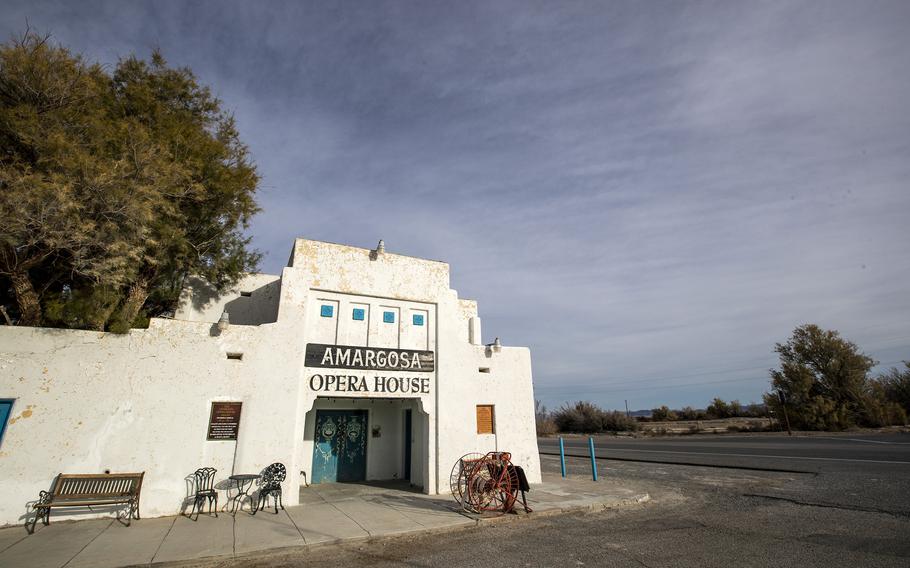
(224, 422)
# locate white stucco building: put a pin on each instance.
(353, 364)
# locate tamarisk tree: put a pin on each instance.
(823, 380)
(114, 188)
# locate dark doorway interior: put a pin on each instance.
(407, 444)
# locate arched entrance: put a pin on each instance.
(348, 439)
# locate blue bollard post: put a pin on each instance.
(562, 456)
(593, 461)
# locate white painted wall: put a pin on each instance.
(88, 402)
(252, 301)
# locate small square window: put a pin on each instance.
(388, 317)
(418, 319)
(358, 314)
(327, 311)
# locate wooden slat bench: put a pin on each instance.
(86, 489)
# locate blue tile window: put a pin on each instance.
(358, 314)
(327, 311)
(418, 319)
(6, 406)
(388, 317)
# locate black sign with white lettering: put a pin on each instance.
(369, 358)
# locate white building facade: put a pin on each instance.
(352, 365)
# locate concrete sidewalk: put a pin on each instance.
(328, 513)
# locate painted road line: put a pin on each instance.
(865, 441)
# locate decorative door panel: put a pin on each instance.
(340, 446)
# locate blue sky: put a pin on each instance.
(648, 194)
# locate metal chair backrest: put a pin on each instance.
(205, 479)
(274, 474)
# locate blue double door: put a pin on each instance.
(340, 446)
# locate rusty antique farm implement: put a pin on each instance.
(487, 483)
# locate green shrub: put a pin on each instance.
(663, 414)
(588, 418)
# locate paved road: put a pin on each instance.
(835, 453)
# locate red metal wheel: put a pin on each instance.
(489, 485)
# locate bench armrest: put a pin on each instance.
(43, 498)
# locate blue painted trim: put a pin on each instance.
(388, 317)
(358, 314)
(6, 409)
(418, 319)
(327, 311)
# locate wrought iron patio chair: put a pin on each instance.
(270, 484)
(205, 491)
